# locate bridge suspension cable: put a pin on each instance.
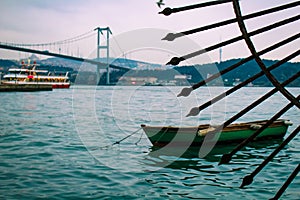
(66, 41)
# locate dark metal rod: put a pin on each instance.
(186, 91)
(177, 60)
(172, 36)
(244, 83)
(251, 106)
(247, 180)
(287, 183)
(168, 11)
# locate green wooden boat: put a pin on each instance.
(194, 136)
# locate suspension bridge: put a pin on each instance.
(57, 47)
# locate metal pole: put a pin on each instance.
(106, 47)
(98, 56)
(107, 56)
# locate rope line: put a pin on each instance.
(121, 140)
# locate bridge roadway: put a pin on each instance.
(47, 53)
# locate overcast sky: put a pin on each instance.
(43, 21)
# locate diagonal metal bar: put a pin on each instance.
(244, 83)
(287, 183)
(251, 106)
(186, 91)
(177, 60)
(247, 180)
(168, 11)
(173, 36)
(227, 157)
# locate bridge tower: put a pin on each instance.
(103, 47)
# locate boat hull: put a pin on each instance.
(195, 136)
(58, 86)
(24, 88)
(33, 84)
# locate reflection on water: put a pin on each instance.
(190, 158)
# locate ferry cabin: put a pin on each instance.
(27, 76)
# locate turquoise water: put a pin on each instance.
(50, 146)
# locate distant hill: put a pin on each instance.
(6, 64)
(195, 73)
(243, 72)
(134, 64)
(122, 62)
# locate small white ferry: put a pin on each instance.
(29, 75)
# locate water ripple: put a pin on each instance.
(50, 147)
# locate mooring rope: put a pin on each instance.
(121, 140)
(136, 143)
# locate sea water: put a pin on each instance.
(63, 144)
